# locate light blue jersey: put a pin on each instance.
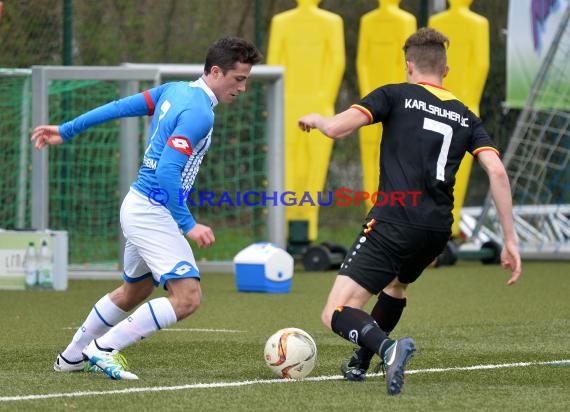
(180, 135)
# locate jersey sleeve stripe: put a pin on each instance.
(364, 110)
(484, 148)
(149, 102)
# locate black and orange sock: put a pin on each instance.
(358, 327)
(387, 313)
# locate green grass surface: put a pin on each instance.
(459, 316)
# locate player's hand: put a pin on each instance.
(201, 234)
(46, 135)
(308, 122)
(511, 259)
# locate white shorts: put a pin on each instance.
(155, 245)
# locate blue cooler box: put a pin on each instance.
(263, 267)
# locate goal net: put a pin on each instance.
(78, 187)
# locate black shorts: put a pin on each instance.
(383, 251)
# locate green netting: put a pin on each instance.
(15, 90)
(83, 175)
(84, 197)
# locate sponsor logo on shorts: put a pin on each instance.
(183, 269)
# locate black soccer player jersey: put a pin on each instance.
(426, 133)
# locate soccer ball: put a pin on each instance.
(291, 353)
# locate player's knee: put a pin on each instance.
(185, 296)
(187, 304)
(186, 309)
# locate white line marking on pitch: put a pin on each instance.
(563, 362)
(203, 330)
(188, 330)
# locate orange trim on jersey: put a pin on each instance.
(180, 144)
(485, 148)
(433, 85)
(438, 91)
(364, 111)
(149, 102)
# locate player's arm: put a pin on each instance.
(46, 135)
(172, 161)
(501, 193)
(139, 104)
(191, 128)
(336, 127)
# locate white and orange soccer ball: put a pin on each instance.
(291, 353)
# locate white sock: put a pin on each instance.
(146, 320)
(104, 315)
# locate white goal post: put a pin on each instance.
(130, 75)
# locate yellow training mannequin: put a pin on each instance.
(309, 43)
(380, 60)
(468, 60)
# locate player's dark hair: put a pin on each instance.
(228, 51)
(426, 48)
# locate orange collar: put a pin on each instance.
(433, 85)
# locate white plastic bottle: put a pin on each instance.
(31, 266)
(45, 267)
